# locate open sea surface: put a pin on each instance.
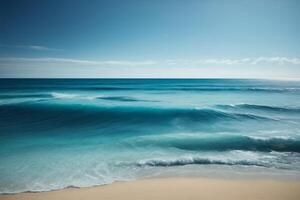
(58, 133)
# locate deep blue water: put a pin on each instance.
(57, 133)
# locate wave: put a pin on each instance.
(162, 88)
(46, 115)
(68, 96)
(17, 96)
(207, 89)
(220, 142)
(114, 98)
(56, 95)
(63, 95)
(198, 161)
(123, 98)
(241, 89)
(261, 107)
(148, 84)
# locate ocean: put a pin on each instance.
(59, 133)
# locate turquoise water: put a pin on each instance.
(57, 133)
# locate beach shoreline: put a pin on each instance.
(174, 188)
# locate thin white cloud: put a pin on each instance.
(276, 60)
(241, 61)
(42, 48)
(169, 62)
(54, 61)
(30, 47)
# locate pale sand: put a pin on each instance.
(175, 188)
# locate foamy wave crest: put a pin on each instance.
(200, 142)
(122, 99)
(261, 108)
(198, 161)
(58, 95)
(63, 95)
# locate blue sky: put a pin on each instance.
(153, 38)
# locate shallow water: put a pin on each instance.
(56, 133)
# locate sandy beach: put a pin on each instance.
(175, 188)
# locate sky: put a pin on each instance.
(150, 39)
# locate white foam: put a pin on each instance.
(59, 95)
(63, 95)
